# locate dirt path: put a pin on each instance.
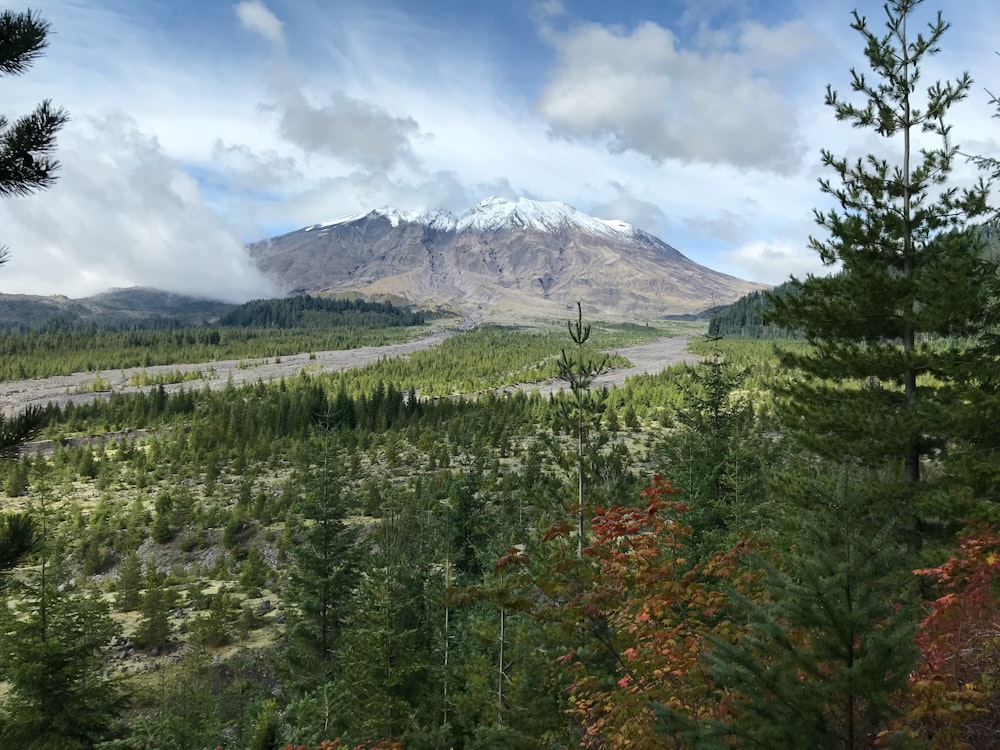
(63, 389)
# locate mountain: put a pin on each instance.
(117, 308)
(523, 258)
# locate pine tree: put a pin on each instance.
(26, 143)
(882, 381)
(384, 665)
(154, 625)
(717, 454)
(322, 573)
(579, 371)
(129, 583)
(19, 535)
(52, 648)
(829, 646)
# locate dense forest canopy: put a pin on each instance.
(306, 311)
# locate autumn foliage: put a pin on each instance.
(952, 695)
(639, 610)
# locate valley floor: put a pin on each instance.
(80, 387)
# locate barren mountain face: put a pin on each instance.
(501, 259)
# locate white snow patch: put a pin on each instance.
(436, 219)
(493, 214)
(546, 216)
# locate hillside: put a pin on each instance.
(123, 308)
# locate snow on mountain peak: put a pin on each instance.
(493, 214)
(436, 219)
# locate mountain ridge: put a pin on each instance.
(500, 258)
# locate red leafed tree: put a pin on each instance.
(637, 611)
(953, 692)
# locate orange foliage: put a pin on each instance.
(650, 608)
(959, 640)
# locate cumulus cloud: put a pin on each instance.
(643, 92)
(257, 18)
(353, 130)
(773, 262)
(123, 213)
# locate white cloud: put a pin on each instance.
(257, 18)
(643, 214)
(358, 132)
(773, 262)
(123, 213)
(641, 91)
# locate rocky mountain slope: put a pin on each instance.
(502, 258)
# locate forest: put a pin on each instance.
(793, 543)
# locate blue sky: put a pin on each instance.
(198, 125)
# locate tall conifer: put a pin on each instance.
(881, 381)
(322, 574)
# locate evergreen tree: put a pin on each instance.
(25, 144)
(19, 534)
(882, 380)
(154, 624)
(384, 665)
(266, 727)
(52, 647)
(129, 594)
(718, 454)
(579, 371)
(830, 643)
(322, 573)
(214, 628)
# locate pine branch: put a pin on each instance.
(25, 145)
(16, 430)
(22, 40)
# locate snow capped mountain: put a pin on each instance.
(442, 220)
(494, 215)
(524, 258)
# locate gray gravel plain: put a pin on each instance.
(63, 389)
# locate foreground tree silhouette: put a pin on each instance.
(26, 143)
(25, 166)
(883, 383)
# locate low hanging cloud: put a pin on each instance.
(352, 130)
(257, 18)
(122, 213)
(645, 93)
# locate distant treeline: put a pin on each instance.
(744, 318)
(69, 323)
(305, 311)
